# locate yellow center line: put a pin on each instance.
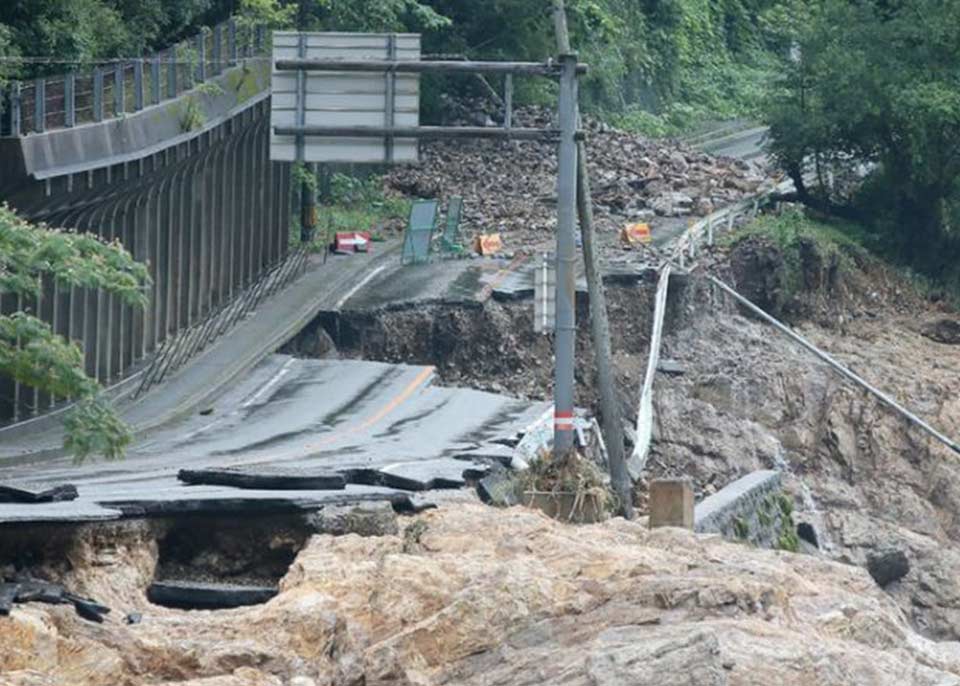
(401, 397)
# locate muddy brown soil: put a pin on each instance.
(492, 345)
(871, 485)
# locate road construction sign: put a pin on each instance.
(488, 244)
(635, 234)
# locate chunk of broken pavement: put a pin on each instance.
(363, 519)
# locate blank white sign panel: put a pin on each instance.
(344, 98)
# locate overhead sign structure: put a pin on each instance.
(332, 99)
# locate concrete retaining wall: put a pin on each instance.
(752, 509)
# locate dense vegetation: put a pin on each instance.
(874, 92)
(657, 65)
(31, 353)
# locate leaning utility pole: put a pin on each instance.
(599, 324)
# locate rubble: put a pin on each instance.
(510, 187)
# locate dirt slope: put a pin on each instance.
(868, 482)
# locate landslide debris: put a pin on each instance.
(510, 187)
(876, 491)
(507, 597)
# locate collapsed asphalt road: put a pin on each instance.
(387, 427)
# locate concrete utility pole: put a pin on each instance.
(599, 324)
(566, 329)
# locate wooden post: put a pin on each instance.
(671, 503)
(599, 324)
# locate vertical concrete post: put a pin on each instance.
(565, 341)
(671, 503)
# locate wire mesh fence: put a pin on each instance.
(102, 90)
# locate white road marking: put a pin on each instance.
(274, 380)
(363, 282)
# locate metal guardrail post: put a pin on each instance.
(172, 73)
(155, 80)
(508, 101)
(232, 41)
(217, 42)
(201, 57)
(16, 111)
(119, 99)
(138, 85)
(70, 99)
(40, 105)
(97, 94)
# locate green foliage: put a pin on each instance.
(876, 86)
(837, 241)
(29, 350)
(271, 13)
(741, 529)
(87, 30)
(357, 204)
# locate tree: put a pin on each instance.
(874, 91)
(31, 353)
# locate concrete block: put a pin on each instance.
(750, 509)
(671, 503)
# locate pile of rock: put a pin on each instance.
(510, 187)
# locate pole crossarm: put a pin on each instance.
(550, 68)
(523, 134)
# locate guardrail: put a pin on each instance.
(686, 246)
(111, 88)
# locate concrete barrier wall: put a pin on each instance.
(752, 509)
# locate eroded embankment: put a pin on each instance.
(472, 595)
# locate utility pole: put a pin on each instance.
(599, 323)
(566, 328)
(308, 197)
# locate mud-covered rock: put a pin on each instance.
(499, 597)
(942, 330)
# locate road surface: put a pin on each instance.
(378, 423)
